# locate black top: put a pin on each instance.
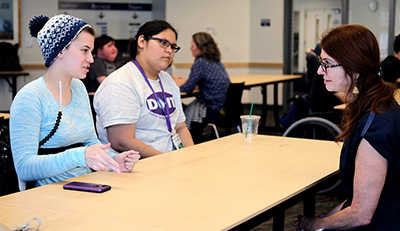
(391, 69)
(384, 136)
(320, 99)
(100, 67)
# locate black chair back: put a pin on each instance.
(233, 107)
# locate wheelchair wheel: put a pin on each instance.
(313, 128)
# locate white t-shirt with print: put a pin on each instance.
(124, 97)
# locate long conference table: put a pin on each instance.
(263, 81)
(223, 184)
(11, 79)
(5, 115)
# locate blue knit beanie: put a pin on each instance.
(55, 34)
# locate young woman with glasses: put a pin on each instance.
(370, 158)
(138, 106)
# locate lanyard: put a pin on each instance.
(160, 101)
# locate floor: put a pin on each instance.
(324, 202)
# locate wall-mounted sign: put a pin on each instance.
(118, 20)
(103, 6)
(265, 22)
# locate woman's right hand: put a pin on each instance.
(97, 158)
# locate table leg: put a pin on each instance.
(276, 106)
(12, 84)
(309, 205)
(264, 106)
(279, 221)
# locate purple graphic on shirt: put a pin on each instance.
(155, 105)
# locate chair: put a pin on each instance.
(8, 176)
(233, 109)
(9, 59)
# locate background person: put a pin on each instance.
(105, 53)
(35, 109)
(319, 99)
(209, 75)
(369, 161)
(138, 106)
(391, 64)
(312, 64)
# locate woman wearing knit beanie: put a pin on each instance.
(51, 127)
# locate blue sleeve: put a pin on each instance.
(195, 76)
(32, 116)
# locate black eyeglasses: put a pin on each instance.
(165, 44)
(325, 66)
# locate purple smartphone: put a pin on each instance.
(88, 187)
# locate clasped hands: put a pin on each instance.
(97, 159)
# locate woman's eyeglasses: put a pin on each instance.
(325, 66)
(165, 44)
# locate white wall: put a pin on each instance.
(266, 43)
(31, 55)
(377, 22)
(302, 6)
(117, 22)
(227, 22)
(235, 25)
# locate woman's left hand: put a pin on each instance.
(304, 223)
(127, 160)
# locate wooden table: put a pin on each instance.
(11, 78)
(195, 93)
(262, 81)
(5, 115)
(217, 185)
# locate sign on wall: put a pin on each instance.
(113, 19)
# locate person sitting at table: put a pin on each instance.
(138, 106)
(391, 64)
(369, 161)
(209, 75)
(104, 62)
(51, 127)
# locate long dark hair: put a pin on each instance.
(207, 46)
(148, 29)
(357, 50)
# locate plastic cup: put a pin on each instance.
(250, 127)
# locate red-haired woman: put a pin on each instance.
(370, 157)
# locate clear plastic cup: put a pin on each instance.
(250, 127)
